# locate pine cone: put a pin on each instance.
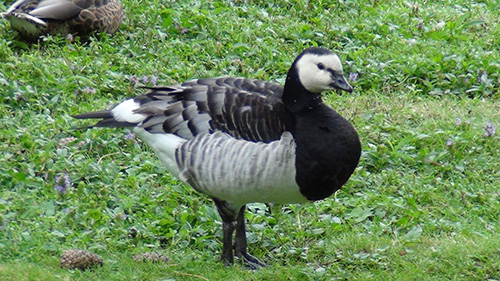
(79, 259)
(151, 257)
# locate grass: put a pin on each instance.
(423, 205)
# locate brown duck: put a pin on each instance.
(34, 18)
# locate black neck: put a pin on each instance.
(296, 97)
(328, 147)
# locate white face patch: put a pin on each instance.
(312, 77)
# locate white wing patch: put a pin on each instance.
(14, 6)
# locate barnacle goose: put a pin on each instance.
(34, 18)
(240, 140)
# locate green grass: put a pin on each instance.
(424, 203)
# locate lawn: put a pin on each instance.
(424, 203)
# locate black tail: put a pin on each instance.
(107, 119)
(102, 114)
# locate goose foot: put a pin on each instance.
(250, 261)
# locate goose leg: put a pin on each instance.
(240, 243)
(227, 242)
(228, 217)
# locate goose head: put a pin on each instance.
(319, 70)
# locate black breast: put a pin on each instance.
(328, 151)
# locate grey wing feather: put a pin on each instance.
(243, 108)
(56, 9)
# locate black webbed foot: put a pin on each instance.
(235, 221)
(249, 261)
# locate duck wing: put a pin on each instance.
(82, 15)
(59, 9)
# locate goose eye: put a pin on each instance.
(321, 66)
